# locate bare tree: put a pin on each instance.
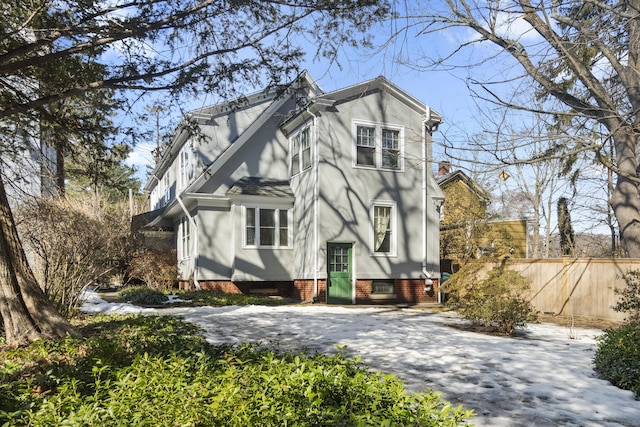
(584, 54)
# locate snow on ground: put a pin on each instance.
(544, 378)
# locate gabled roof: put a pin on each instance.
(330, 99)
(382, 84)
(445, 180)
(276, 97)
(304, 80)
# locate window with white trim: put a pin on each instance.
(166, 188)
(185, 238)
(383, 228)
(300, 157)
(378, 146)
(267, 227)
(186, 168)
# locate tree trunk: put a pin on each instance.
(60, 172)
(625, 200)
(26, 312)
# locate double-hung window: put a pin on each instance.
(166, 188)
(185, 238)
(267, 227)
(186, 168)
(366, 146)
(390, 149)
(383, 228)
(301, 151)
(378, 146)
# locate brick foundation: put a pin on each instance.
(406, 291)
(283, 289)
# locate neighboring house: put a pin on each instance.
(318, 196)
(466, 231)
(28, 166)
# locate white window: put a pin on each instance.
(166, 186)
(301, 151)
(186, 168)
(383, 228)
(378, 146)
(267, 227)
(185, 238)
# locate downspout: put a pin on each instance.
(428, 278)
(316, 262)
(194, 250)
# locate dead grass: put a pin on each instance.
(578, 321)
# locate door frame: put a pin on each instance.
(352, 279)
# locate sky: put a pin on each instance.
(544, 377)
(446, 91)
(443, 91)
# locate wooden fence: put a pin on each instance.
(579, 287)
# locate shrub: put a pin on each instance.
(496, 301)
(629, 301)
(74, 242)
(156, 267)
(142, 295)
(617, 357)
(157, 371)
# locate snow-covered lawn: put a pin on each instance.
(543, 379)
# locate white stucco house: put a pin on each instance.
(311, 195)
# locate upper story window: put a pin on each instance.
(383, 226)
(378, 146)
(186, 167)
(301, 151)
(267, 227)
(166, 188)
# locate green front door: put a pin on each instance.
(339, 287)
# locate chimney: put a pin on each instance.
(444, 168)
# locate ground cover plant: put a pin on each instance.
(617, 357)
(158, 370)
(142, 295)
(217, 299)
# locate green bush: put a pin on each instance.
(617, 357)
(496, 301)
(142, 295)
(158, 371)
(629, 301)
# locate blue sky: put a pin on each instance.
(443, 91)
(403, 63)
